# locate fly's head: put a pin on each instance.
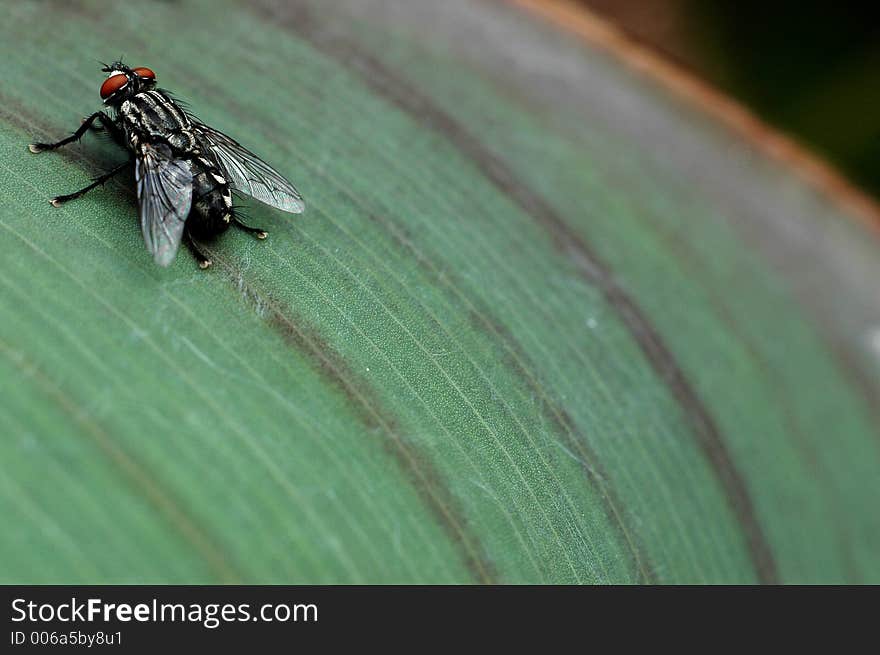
(123, 82)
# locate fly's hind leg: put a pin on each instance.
(256, 231)
(203, 260)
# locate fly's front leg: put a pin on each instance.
(95, 126)
(60, 200)
(76, 136)
(110, 126)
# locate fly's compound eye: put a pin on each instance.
(145, 73)
(112, 84)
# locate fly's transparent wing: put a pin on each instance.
(250, 174)
(164, 188)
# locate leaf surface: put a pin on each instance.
(538, 323)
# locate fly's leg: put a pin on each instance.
(203, 260)
(256, 231)
(110, 126)
(76, 136)
(94, 126)
(60, 200)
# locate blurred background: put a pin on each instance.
(809, 68)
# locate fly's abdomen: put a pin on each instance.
(211, 211)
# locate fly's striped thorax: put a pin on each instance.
(159, 109)
(158, 116)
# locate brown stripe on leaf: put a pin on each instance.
(563, 424)
(407, 98)
(572, 439)
(425, 479)
(144, 482)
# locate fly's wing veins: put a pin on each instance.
(250, 174)
(164, 187)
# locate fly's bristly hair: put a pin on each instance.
(186, 172)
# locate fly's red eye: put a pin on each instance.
(112, 84)
(145, 72)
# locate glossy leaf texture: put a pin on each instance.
(540, 321)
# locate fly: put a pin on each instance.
(185, 170)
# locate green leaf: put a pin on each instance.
(540, 322)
